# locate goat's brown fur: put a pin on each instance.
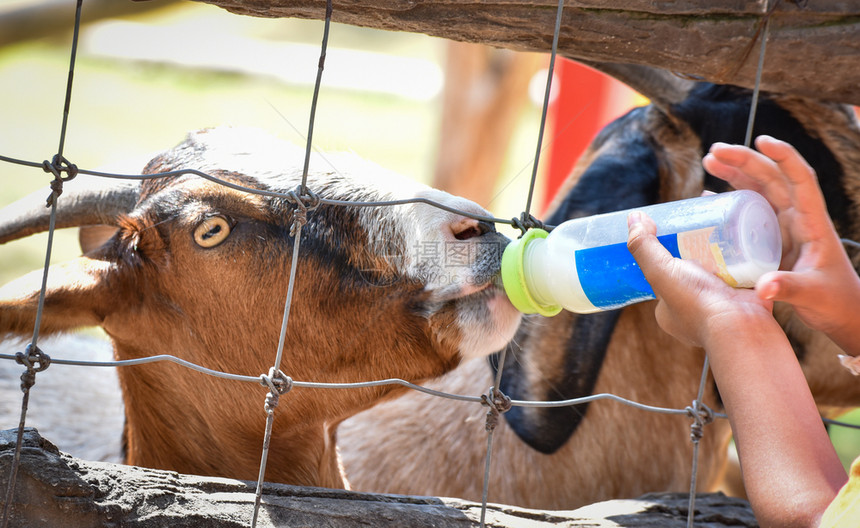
(358, 313)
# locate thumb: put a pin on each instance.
(784, 286)
(654, 260)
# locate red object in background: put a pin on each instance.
(586, 101)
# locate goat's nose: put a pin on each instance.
(470, 228)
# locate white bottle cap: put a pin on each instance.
(760, 240)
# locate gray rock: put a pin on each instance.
(79, 408)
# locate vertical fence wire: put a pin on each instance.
(317, 84)
(279, 384)
(757, 87)
(546, 98)
(497, 402)
(492, 420)
(700, 413)
(282, 384)
(33, 354)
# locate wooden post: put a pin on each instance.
(485, 92)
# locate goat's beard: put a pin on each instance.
(487, 322)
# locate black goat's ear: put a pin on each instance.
(560, 358)
(620, 170)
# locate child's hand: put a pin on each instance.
(791, 471)
(815, 276)
(694, 304)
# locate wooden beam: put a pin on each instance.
(54, 489)
(813, 48)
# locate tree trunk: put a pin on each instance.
(813, 48)
(486, 90)
(54, 489)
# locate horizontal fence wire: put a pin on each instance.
(275, 194)
(391, 381)
(361, 385)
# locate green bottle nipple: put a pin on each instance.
(514, 277)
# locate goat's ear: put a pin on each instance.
(619, 170)
(560, 358)
(93, 237)
(77, 295)
(560, 361)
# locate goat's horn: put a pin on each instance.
(84, 201)
(663, 88)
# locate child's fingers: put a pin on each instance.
(806, 194)
(787, 158)
(745, 168)
(713, 165)
(786, 286)
(653, 259)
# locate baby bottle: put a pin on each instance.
(584, 265)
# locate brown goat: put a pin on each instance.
(200, 271)
(568, 457)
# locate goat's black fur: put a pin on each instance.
(625, 174)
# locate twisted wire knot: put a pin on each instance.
(702, 415)
(498, 404)
(35, 361)
(278, 383)
(305, 200)
(56, 166)
(525, 222)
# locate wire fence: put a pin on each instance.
(304, 200)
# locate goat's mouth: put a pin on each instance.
(472, 291)
(490, 288)
(469, 289)
(486, 319)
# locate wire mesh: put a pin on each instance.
(276, 381)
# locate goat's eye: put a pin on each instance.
(212, 231)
